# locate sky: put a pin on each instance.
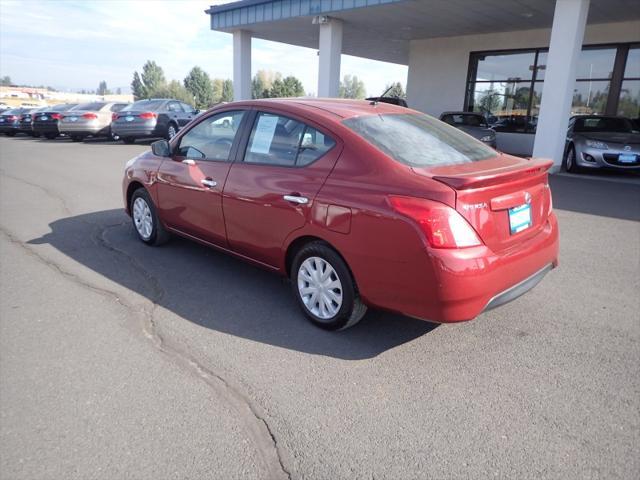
(73, 45)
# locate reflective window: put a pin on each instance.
(590, 98)
(629, 101)
(596, 63)
(212, 138)
(510, 66)
(632, 70)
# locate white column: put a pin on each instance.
(567, 33)
(330, 49)
(241, 65)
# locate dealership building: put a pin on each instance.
(527, 65)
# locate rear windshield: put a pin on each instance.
(143, 105)
(603, 124)
(63, 107)
(418, 140)
(90, 106)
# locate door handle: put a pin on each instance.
(207, 182)
(296, 199)
(188, 161)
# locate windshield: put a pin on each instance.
(603, 124)
(90, 106)
(464, 119)
(419, 140)
(143, 105)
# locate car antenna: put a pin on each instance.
(374, 102)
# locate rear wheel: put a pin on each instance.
(145, 219)
(324, 288)
(172, 130)
(50, 136)
(570, 160)
(128, 140)
(35, 135)
(76, 138)
(11, 134)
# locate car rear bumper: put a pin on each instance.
(75, 129)
(135, 131)
(467, 282)
(46, 128)
(9, 128)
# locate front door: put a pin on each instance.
(190, 183)
(269, 193)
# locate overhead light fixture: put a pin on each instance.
(320, 20)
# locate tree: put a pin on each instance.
(397, 91)
(173, 89)
(198, 83)
(102, 89)
(351, 87)
(5, 81)
(151, 79)
(287, 87)
(490, 101)
(262, 82)
(227, 91)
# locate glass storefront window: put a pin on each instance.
(596, 63)
(590, 98)
(632, 69)
(629, 102)
(510, 66)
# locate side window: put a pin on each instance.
(116, 107)
(212, 138)
(279, 140)
(314, 145)
(174, 107)
(187, 108)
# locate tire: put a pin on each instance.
(50, 136)
(128, 140)
(570, 160)
(35, 135)
(11, 134)
(345, 308)
(76, 138)
(172, 131)
(142, 211)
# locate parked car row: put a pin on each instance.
(141, 119)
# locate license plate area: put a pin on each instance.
(626, 158)
(519, 218)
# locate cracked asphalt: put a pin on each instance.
(119, 360)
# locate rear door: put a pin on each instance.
(176, 113)
(270, 189)
(190, 183)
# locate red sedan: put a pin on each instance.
(360, 204)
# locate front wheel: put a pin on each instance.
(128, 140)
(50, 136)
(325, 289)
(172, 131)
(570, 161)
(145, 219)
(76, 138)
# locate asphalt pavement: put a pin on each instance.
(119, 360)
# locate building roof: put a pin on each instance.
(382, 29)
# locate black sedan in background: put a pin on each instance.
(472, 123)
(26, 121)
(156, 117)
(46, 123)
(10, 120)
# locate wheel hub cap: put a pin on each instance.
(320, 288)
(142, 218)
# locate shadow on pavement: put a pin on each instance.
(217, 291)
(596, 196)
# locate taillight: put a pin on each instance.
(90, 116)
(443, 226)
(56, 116)
(11, 118)
(148, 115)
(114, 116)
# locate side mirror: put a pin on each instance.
(161, 148)
(196, 112)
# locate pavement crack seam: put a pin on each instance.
(254, 421)
(49, 193)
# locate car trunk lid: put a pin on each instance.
(505, 199)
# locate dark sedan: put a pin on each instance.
(156, 117)
(26, 121)
(47, 123)
(472, 123)
(595, 142)
(10, 120)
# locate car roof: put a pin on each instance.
(335, 108)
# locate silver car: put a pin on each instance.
(472, 123)
(595, 142)
(89, 120)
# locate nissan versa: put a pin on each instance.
(361, 204)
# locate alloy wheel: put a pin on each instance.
(142, 218)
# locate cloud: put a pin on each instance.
(76, 44)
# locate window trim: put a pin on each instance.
(242, 151)
(616, 80)
(236, 140)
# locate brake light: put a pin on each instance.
(114, 116)
(443, 226)
(90, 116)
(56, 116)
(11, 118)
(148, 115)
